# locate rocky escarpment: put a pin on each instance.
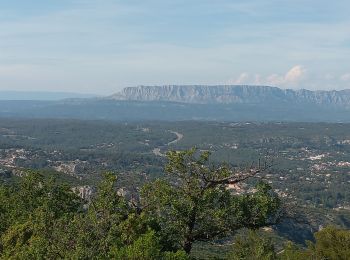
(226, 94)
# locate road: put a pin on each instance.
(179, 136)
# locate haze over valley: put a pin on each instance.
(178, 102)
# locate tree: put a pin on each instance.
(252, 246)
(31, 210)
(194, 204)
(330, 243)
(292, 252)
(41, 219)
(110, 228)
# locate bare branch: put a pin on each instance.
(236, 177)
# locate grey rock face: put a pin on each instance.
(238, 94)
(84, 192)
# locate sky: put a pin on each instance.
(102, 46)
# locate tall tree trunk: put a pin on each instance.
(188, 246)
(190, 225)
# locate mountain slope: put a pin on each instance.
(207, 103)
(233, 94)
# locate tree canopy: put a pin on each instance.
(195, 205)
(40, 218)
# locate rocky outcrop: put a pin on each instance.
(84, 192)
(238, 94)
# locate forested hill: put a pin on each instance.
(116, 110)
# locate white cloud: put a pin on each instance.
(275, 79)
(242, 78)
(294, 75)
(291, 78)
(257, 79)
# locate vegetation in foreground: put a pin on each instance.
(42, 219)
(330, 243)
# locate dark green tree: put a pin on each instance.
(330, 243)
(252, 246)
(41, 219)
(29, 215)
(194, 204)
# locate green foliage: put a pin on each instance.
(292, 252)
(41, 219)
(331, 243)
(29, 215)
(195, 204)
(252, 247)
(147, 247)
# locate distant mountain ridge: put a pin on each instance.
(40, 95)
(204, 103)
(233, 94)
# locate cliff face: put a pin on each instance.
(238, 94)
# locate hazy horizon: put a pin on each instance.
(100, 47)
(101, 94)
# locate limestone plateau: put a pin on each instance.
(233, 94)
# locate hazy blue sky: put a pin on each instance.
(103, 45)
